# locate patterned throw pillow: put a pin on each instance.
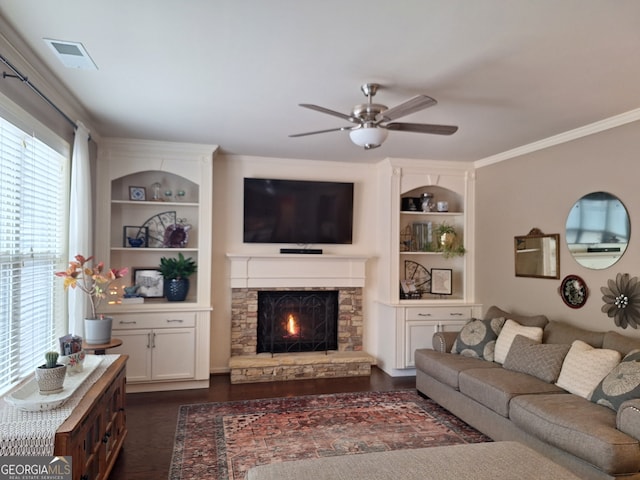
(623, 383)
(584, 367)
(541, 360)
(507, 334)
(478, 338)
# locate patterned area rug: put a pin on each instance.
(221, 441)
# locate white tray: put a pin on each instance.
(27, 397)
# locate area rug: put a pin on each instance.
(221, 441)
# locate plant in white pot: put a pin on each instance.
(94, 282)
(176, 273)
(50, 376)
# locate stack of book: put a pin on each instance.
(422, 237)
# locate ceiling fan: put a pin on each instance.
(372, 119)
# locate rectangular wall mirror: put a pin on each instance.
(537, 255)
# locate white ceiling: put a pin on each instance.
(231, 72)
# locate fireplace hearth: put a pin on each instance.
(297, 321)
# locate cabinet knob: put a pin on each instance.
(175, 320)
(130, 322)
(455, 314)
(105, 439)
(424, 314)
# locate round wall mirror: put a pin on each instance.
(598, 230)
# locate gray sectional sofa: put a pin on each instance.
(593, 440)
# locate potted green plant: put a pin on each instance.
(447, 241)
(94, 282)
(50, 376)
(176, 272)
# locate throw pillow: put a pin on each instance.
(584, 367)
(507, 334)
(541, 360)
(478, 338)
(622, 383)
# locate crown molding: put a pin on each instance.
(592, 128)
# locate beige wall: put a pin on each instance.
(538, 190)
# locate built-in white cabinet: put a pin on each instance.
(160, 192)
(426, 289)
(421, 323)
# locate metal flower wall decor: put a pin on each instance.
(622, 300)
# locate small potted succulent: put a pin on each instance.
(176, 272)
(50, 376)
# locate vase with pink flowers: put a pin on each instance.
(92, 279)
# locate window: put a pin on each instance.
(33, 225)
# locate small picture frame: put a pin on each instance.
(149, 281)
(441, 281)
(135, 236)
(137, 193)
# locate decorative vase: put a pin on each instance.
(447, 240)
(50, 380)
(74, 361)
(176, 289)
(97, 331)
(426, 202)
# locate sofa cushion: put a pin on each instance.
(477, 338)
(446, 367)
(577, 426)
(584, 367)
(621, 343)
(494, 388)
(541, 360)
(558, 332)
(526, 320)
(510, 329)
(621, 384)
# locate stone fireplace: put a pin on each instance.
(288, 279)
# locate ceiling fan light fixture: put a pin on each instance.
(368, 137)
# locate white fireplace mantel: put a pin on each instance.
(296, 270)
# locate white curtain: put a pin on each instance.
(80, 221)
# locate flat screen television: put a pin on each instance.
(297, 211)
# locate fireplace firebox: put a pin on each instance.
(297, 321)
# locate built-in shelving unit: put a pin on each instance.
(167, 342)
(407, 321)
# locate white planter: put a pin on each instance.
(50, 380)
(97, 331)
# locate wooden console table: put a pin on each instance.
(95, 431)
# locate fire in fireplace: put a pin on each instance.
(297, 321)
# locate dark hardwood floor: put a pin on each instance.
(152, 417)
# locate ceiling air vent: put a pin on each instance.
(71, 54)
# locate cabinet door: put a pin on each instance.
(136, 344)
(418, 335)
(173, 353)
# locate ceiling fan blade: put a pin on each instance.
(413, 105)
(318, 108)
(422, 128)
(320, 131)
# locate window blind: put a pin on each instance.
(33, 219)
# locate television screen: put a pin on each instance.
(297, 211)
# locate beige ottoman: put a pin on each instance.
(478, 461)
